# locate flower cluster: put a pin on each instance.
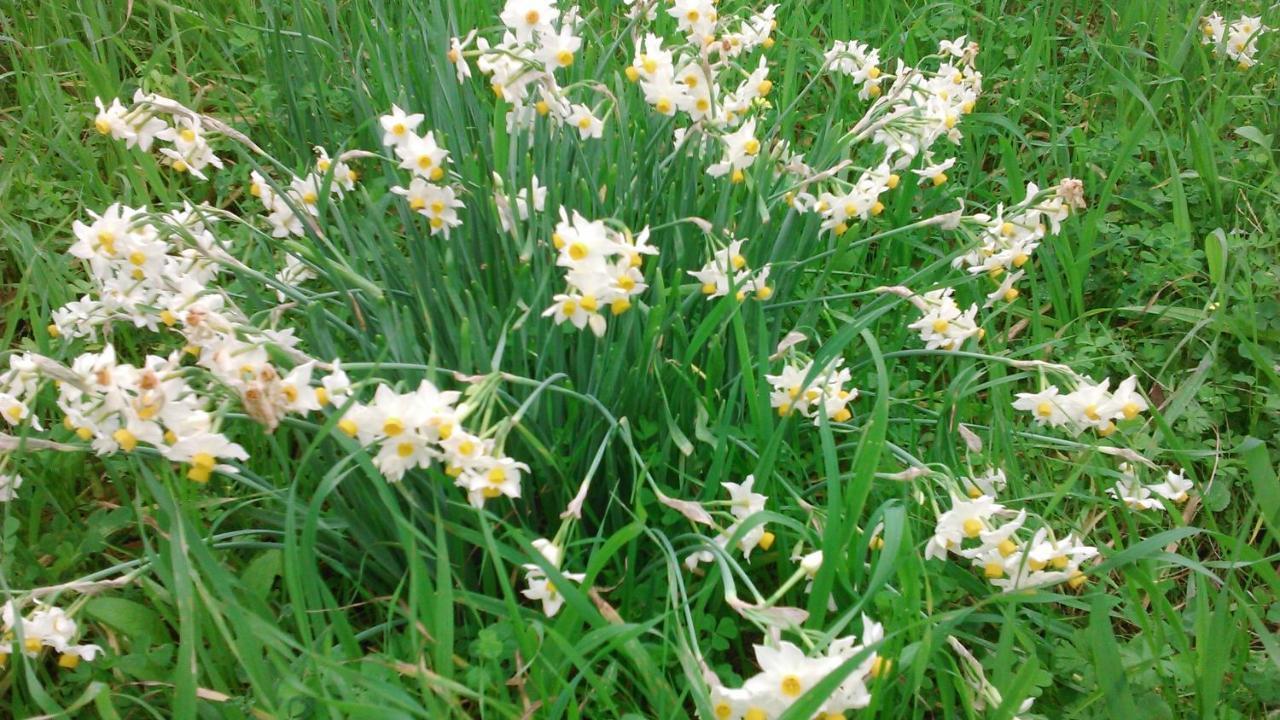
(699, 75)
(160, 271)
(1238, 41)
(942, 323)
(143, 123)
(786, 673)
(303, 194)
(416, 429)
(1007, 240)
(538, 41)
(1130, 490)
(991, 533)
(47, 626)
(116, 406)
(1089, 405)
(602, 268)
(825, 393)
(727, 272)
(744, 502)
(541, 588)
(422, 156)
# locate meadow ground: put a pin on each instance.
(215, 519)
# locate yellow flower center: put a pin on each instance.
(103, 125)
(577, 251)
(348, 426)
(1044, 409)
(972, 527)
(404, 449)
(588, 303)
(392, 427)
(187, 135)
(993, 570)
(107, 241)
(1007, 547)
(791, 686)
(1130, 410)
(565, 58)
(497, 476)
(127, 440)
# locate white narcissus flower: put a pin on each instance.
(423, 156)
(398, 128)
(989, 484)
(588, 125)
(740, 150)
(541, 587)
(965, 519)
(1047, 406)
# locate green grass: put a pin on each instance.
(307, 586)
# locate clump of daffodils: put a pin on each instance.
(1006, 240)
(727, 271)
(538, 41)
(1089, 406)
(701, 77)
(541, 588)
(942, 324)
(1237, 41)
(744, 502)
(1130, 490)
(920, 107)
(786, 673)
(419, 428)
(990, 537)
(47, 626)
(827, 394)
(146, 121)
(602, 270)
(283, 203)
(427, 193)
